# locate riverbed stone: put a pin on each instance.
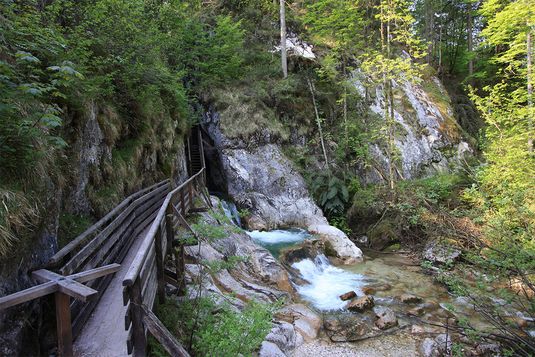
(347, 296)
(284, 336)
(416, 311)
(361, 304)
(345, 328)
(345, 249)
(269, 349)
(410, 299)
(386, 317)
(488, 349)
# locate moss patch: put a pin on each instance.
(71, 226)
(243, 115)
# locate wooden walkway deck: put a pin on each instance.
(122, 260)
(104, 335)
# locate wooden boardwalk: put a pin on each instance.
(122, 261)
(104, 335)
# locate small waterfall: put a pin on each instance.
(326, 283)
(231, 212)
(276, 240)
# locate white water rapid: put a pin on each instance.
(326, 283)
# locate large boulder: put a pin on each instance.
(441, 253)
(306, 322)
(282, 339)
(338, 241)
(386, 318)
(260, 179)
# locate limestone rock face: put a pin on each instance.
(262, 180)
(428, 138)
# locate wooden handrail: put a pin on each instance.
(95, 228)
(139, 259)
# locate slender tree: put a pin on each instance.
(283, 39)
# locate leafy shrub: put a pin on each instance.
(216, 330)
(331, 193)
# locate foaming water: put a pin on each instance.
(326, 283)
(276, 240)
(231, 212)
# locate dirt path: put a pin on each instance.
(104, 334)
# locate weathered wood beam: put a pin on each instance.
(76, 290)
(92, 274)
(63, 322)
(162, 334)
(28, 294)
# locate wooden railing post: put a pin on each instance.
(138, 330)
(183, 202)
(63, 321)
(159, 265)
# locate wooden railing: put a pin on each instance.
(107, 242)
(146, 276)
(92, 258)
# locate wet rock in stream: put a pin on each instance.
(386, 318)
(410, 299)
(347, 296)
(346, 328)
(361, 304)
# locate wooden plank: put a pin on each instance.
(138, 339)
(126, 295)
(81, 311)
(105, 249)
(63, 325)
(149, 263)
(147, 200)
(150, 293)
(28, 294)
(162, 334)
(44, 276)
(127, 318)
(151, 278)
(160, 238)
(95, 228)
(96, 273)
(129, 343)
(75, 290)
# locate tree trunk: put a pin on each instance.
(530, 88)
(283, 39)
(345, 98)
(318, 122)
(469, 34)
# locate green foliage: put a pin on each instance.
(331, 193)
(227, 264)
(209, 231)
(71, 226)
(231, 333)
(33, 79)
(216, 329)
